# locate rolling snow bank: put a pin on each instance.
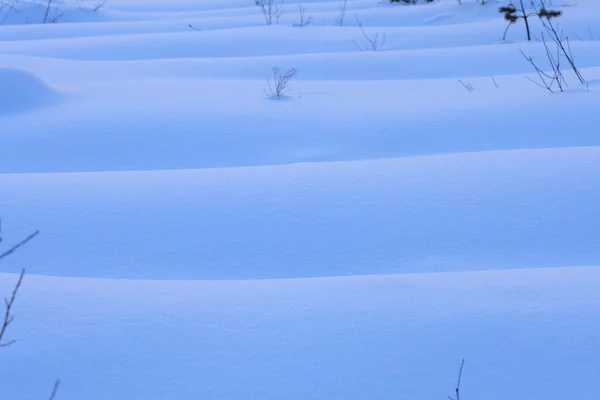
(487, 210)
(528, 334)
(23, 91)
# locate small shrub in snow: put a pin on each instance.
(52, 12)
(278, 81)
(304, 20)
(340, 19)
(372, 43)
(272, 10)
(92, 5)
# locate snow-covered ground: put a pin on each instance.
(353, 240)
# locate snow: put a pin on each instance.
(508, 209)
(524, 334)
(357, 239)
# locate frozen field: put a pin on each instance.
(397, 211)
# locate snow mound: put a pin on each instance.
(485, 210)
(353, 338)
(22, 90)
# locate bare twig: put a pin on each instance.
(541, 74)
(8, 317)
(51, 14)
(6, 8)
(546, 80)
(340, 19)
(54, 390)
(374, 43)
(578, 37)
(591, 35)
(303, 19)
(555, 64)
(467, 86)
(20, 244)
(457, 389)
(9, 302)
(270, 9)
(558, 38)
(99, 5)
(462, 364)
(47, 13)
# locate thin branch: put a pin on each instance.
(578, 37)
(9, 302)
(357, 46)
(340, 19)
(270, 9)
(10, 7)
(54, 389)
(539, 84)
(303, 20)
(8, 318)
(47, 13)
(546, 79)
(467, 86)
(506, 30)
(457, 389)
(50, 17)
(20, 244)
(545, 18)
(99, 5)
(374, 43)
(462, 364)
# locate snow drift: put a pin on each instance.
(23, 91)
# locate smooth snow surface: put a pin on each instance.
(525, 334)
(353, 240)
(509, 209)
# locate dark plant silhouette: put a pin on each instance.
(512, 14)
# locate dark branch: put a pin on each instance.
(54, 389)
(8, 318)
(20, 244)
